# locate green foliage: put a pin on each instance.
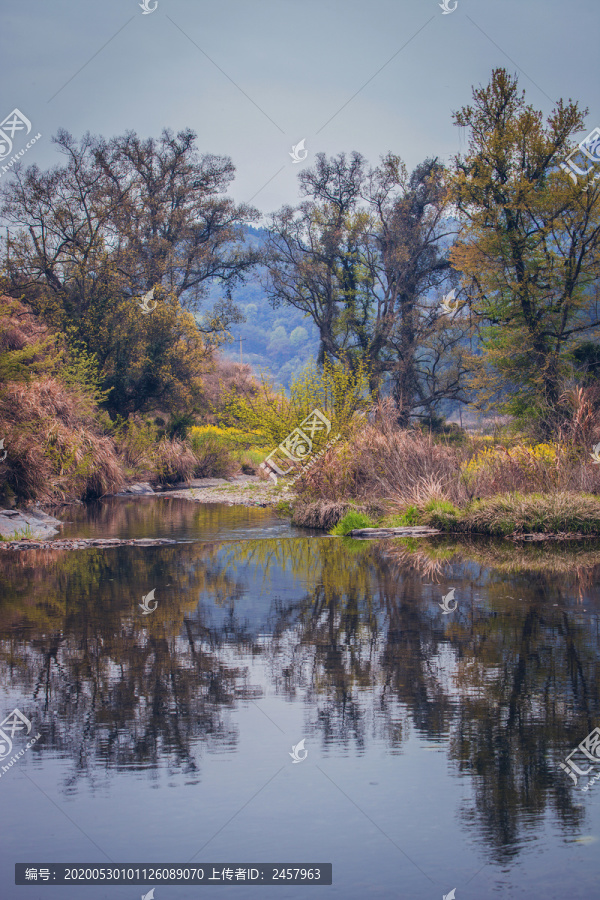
(562, 512)
(528, 250)
(137, 441)
(22, 534)
(79, 369)
(441, 514)
(517, 513)
(411, 516)
(180, 424)
(118, 218)
(351, 521)
(586, 361)
(26, 349)
(335, 389)
(214, 454)
(284, 507)
(19, 365)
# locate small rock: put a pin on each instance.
(15, 522)
(141, 487)
(406, 531)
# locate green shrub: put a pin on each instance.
(441, 514)
(411, 516)
(284, 507)
(334, 388)
(351, 521)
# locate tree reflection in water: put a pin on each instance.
(509, 683)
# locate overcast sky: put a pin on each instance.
(254, 77)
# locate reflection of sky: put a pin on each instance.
(365, 812)
(258, 590)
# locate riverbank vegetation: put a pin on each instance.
(467, 285)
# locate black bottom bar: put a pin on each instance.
(167, 873)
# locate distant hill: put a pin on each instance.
(280, 341)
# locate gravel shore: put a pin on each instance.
(241, 490)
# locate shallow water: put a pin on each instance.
(434, 740)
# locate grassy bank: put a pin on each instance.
(60, 444)
(505, 514)
(383, 476)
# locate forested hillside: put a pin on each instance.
(275, 341)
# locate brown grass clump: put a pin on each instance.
(54, 452)
(55, 449)
(174, 461)
(397, 468)
(19, 328)
(403, 469)
(323, 514)
(520, 468)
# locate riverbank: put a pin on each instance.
(540, 518)
(558, 516)
(238, 490)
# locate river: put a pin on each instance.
(170, 685)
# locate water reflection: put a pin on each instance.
(508, 684)
(161, 516)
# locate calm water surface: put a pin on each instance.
(434, 741)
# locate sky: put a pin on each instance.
(255, 77)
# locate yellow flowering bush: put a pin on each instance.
(231, 438)
(521, 467)
(545, 454)
(336, 390)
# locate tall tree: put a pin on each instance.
(360, 257)
(118, 219)
(528, 250)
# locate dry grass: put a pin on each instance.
(19, 328)
(323, 514)
(54, 451)
(397, 469)
(174, 461)
(472, 486)
(55, 448)
(402, 468)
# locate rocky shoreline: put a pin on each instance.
(26, 524)
(83, 543)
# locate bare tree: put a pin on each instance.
(362, 256)
(124, 216)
